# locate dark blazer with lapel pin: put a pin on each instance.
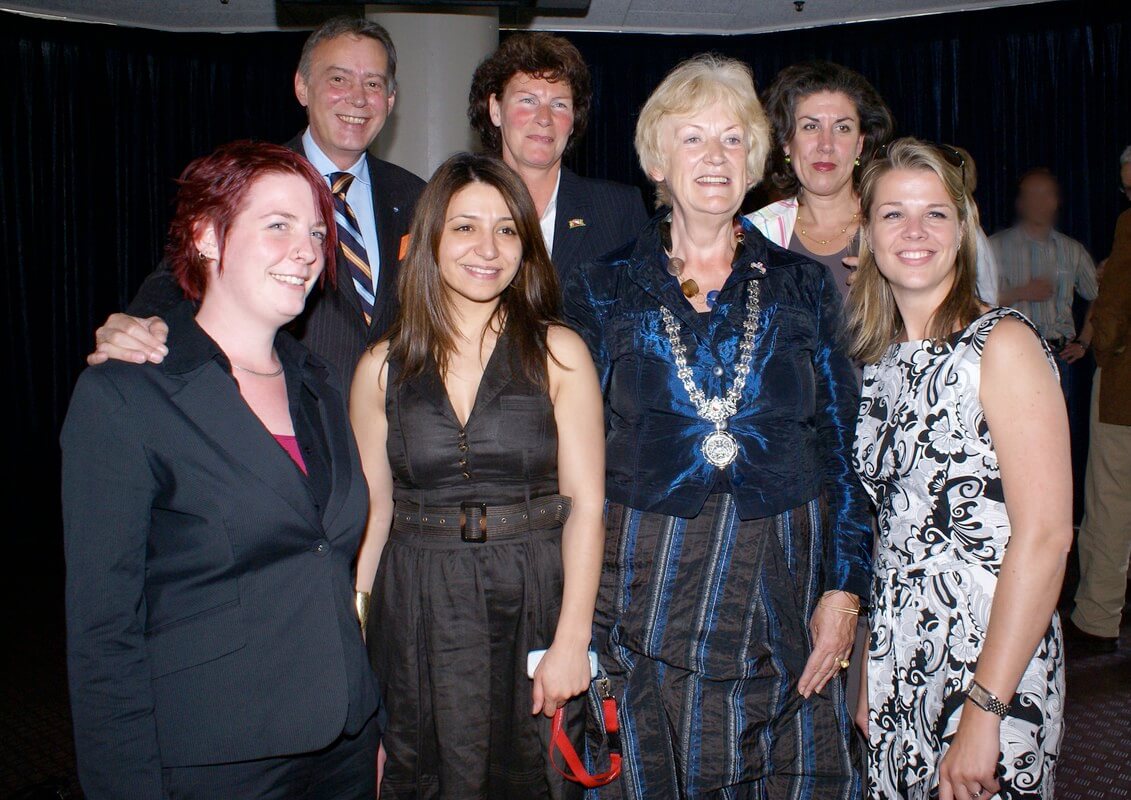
(332, 325)
(209, 583)
(604, 215)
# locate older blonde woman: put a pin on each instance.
(737, 534)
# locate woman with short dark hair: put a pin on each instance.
(530, 103)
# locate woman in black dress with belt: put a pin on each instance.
(480, 426)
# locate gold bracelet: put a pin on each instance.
(853, 611)
(361, 603)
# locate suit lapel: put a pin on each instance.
(295, 144)
(212, 401)
(573, 208)
(336, 429)
(389, 221)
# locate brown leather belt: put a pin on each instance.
(476, 522)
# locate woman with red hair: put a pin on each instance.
(213, 505)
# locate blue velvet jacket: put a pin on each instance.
(795, 418)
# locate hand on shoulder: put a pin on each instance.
(131, 339)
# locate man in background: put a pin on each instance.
(1105, 534)
(347, 81)
(1040, 268)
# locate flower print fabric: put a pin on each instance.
(926, 457)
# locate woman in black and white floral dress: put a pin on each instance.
(962, 443)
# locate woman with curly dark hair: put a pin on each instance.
(827, 123)
(530, 102)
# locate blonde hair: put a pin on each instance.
(874, 321)
(691, 87)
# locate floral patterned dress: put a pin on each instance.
(925, 454)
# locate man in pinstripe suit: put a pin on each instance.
(346, 79)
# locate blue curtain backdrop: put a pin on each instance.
(100, 120)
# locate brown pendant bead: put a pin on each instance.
(690, 288)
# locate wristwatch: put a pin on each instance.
(983, 699)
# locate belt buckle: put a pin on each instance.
(474, 538)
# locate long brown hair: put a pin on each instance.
(425, 328)
(874, 321)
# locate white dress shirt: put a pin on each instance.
(550, 216)
(359, 196)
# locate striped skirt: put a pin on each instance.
(702, 627)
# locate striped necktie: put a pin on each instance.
(351, 243)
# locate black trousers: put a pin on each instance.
(345, 770)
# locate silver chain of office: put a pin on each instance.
(719, 447)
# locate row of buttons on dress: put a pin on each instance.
(463, 448)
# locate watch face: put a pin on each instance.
(986, 701)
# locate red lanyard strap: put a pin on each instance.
(575, 770)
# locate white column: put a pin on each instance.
(436, 56)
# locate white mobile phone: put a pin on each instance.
(535, 656)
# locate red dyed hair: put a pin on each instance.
(212, 190)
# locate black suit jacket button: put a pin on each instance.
(322, 547)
